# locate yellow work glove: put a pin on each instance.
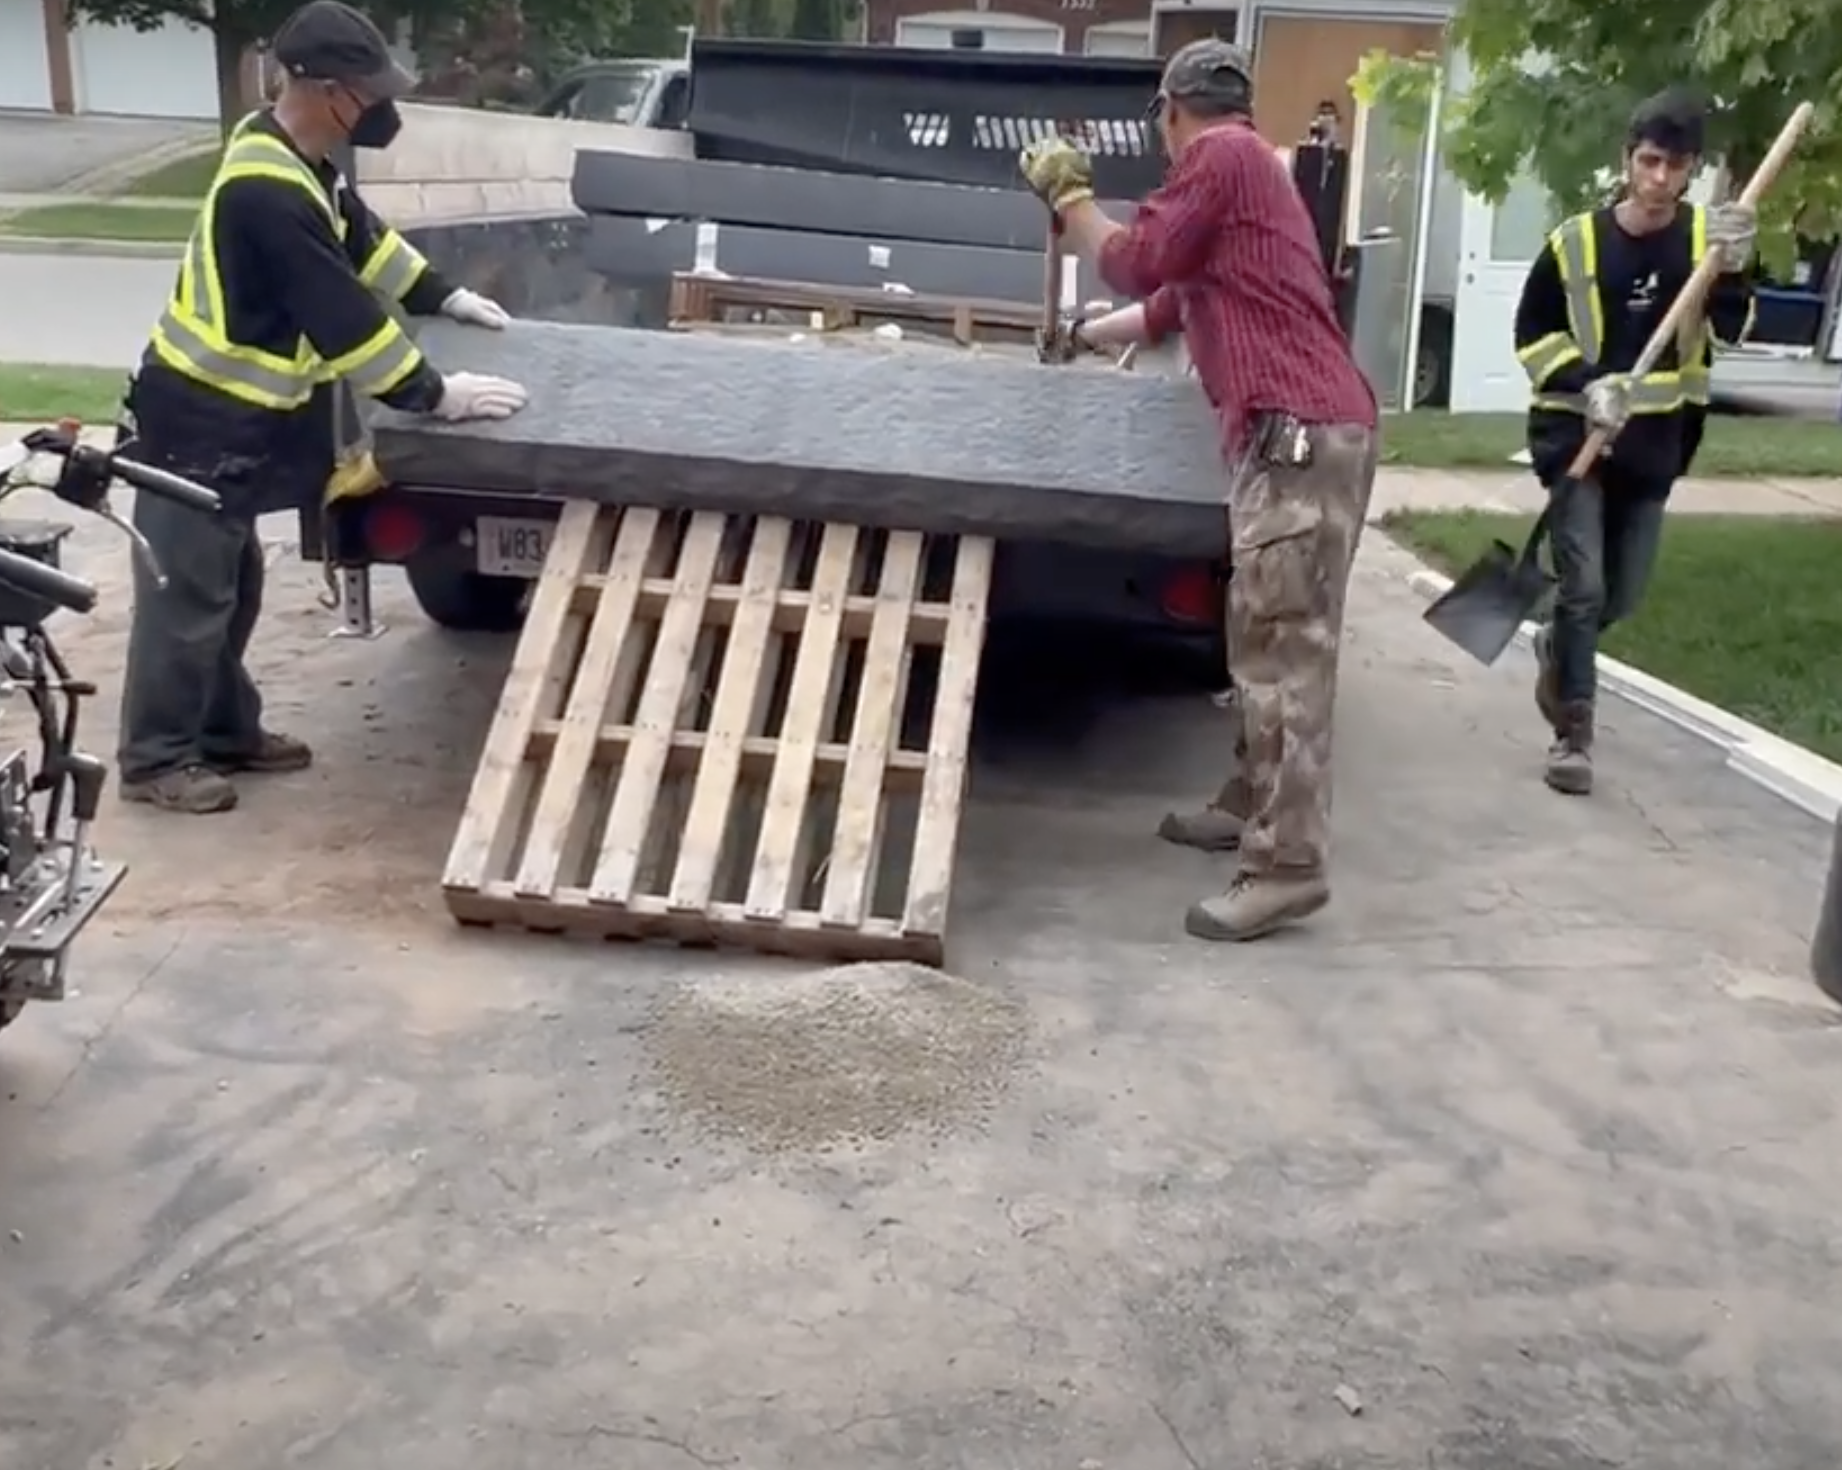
(1059, 172)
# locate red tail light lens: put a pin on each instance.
(1192, 594)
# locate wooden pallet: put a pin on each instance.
(716, 300)
(731, 730)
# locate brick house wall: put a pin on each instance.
(1073, 16)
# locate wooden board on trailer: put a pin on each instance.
(733, 730)
(703, 300)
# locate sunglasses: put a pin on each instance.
(1155, 108)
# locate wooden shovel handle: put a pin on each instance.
(1689, 298)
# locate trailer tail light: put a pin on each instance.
(393, 532)
(1192, 594)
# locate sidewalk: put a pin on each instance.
(1513, 489)
(12, 202)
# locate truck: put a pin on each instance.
(819, 122)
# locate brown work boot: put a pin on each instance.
(1213, 828)
(1547, 679)
(195, 790)
(1570, 758)
(274, 755)
(1256, 904)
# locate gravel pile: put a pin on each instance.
(833, 1057)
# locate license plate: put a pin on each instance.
(512, 548)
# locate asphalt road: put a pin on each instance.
(80, 310)
(39, 153)
(1522, 1159)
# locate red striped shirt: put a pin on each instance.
(1226, 251)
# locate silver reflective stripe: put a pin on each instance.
(382, 373)
(289, 388)
(402, 264)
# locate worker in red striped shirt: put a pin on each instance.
(1225, 250)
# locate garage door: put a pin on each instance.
(169, 72)
(1008, 34)
(1117, 38)
(25, 69)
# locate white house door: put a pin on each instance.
(1496, 246)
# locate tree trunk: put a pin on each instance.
(229, 46)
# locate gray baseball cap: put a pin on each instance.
(331, 42)
(1211, 68)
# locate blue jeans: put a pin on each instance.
(1603, 540)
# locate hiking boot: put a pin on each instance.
(1570, 758)
(274, 755)
(1256, 904)
(195, 790)
(1547, 679)
(1213, 828)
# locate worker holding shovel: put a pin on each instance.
(1590, 305)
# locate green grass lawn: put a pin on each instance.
(1744, 611)
(83, 220)
(31, 393)
(183, 178)
(1736, 445)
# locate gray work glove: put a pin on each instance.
(1733, 231)
(1608, 402)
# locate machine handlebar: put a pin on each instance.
(48, 582)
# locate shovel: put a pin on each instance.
(1491, 599)
(1494, 596)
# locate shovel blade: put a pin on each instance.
(1491, 599)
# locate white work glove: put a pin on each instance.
(1733, 231)
(467, 396)
(1608, 402)
(474, 310)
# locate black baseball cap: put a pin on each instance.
(330, 42)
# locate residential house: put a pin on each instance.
(49, 66)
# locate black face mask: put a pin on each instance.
(376, 126)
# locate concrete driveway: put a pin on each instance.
(40, 153)
(1522, 1160)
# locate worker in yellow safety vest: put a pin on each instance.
(288, 284)
(1590, 304)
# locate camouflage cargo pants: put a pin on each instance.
(1294, 530)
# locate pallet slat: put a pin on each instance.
(729, 730)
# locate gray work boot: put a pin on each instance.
(1570, 758)
(1256, 904)
(273, 755)
(1547, 679)
(195, 790)
(1213, 828)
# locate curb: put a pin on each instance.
(64, 245)
(1789, 772)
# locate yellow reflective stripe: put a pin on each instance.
(1576, 252)
(1546, 356)
(1698, 235)
(380, 364)
(191, 335)
(394, 266)
(1659, 393)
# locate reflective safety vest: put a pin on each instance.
(1576, 251)
(191, 336)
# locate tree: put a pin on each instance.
(815, 20)
(1563, 116)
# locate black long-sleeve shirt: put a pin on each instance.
(285, 274)
(1638, 276)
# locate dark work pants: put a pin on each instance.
(1604, 539)
(187, 698)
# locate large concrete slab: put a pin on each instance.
(807, 199)
(628, 249)
(947, 442)
(1529, 1144)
